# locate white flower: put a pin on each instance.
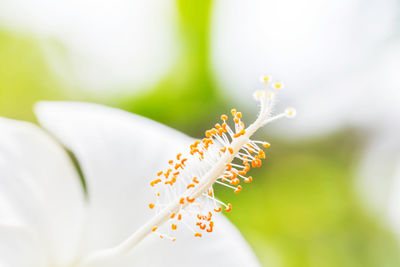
(46, 219)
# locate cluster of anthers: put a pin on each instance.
(224, 157)
(184, 192)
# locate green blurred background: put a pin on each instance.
(301, 209)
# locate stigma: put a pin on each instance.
(224, 157)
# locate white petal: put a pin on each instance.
(223, 247)
(120, 154)
(20, 247)
(39, 189)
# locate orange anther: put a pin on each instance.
(154, 182)
(173, 239)
(248, 180)
(179, 217)
(266, 145)
(182, 200)
(159, 173)
(217, 126)
(178, 165)
(228, 167)
(189, 186)
(210, 192)
(183, 161)
(167, 173)
(151, 205)
(246, 167)
(161, 236)
(239, 115)
(254, 163)
(191, 200)
(230, 150)
(154, 228)
(172, 215)
(261, 154)
(229, 208)
(195, 180)
(223, 149)
(197, 235)
(211, 225)
(218, 209)
(236, 120)
(171, 162)
(238, 189)
(224, 117)
(242, 172)
(176, 173)
(178, 156)
(235, 181)
(173, 226)
(242, 132)
(233, 112)
(233, 175)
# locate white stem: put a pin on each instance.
(102, 256)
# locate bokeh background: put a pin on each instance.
(329, 192)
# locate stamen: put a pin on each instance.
(223, 157)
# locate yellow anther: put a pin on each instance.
(265, 79)
(290, 112)
(266, 145)
(258, 94)
(278, 85)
